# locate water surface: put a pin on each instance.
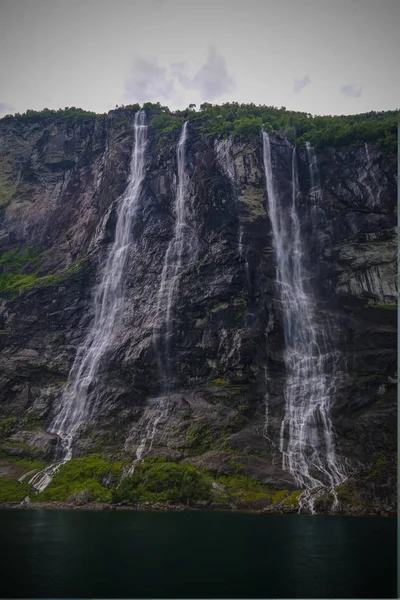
(127, 554)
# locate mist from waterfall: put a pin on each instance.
(306, 437)
(79, 401)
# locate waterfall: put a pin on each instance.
(80, 401)
(307, 437)
(182, 246)
(315, 191)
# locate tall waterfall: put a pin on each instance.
(315, 190)
(80, 400)
(307, 437)
(181, 246)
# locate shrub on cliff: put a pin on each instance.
(160, 481)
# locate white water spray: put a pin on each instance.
(307, 437)
(80, 400)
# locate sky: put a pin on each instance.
(315, 56)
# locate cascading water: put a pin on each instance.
(307, 437)
(315, 191)
(80, 400)
(182, 247)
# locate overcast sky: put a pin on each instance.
(317, 56)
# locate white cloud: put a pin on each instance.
(178, 70)
(351, 90)
(148, 81)
(212, 79)
(299, 84)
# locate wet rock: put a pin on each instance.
(80, 498)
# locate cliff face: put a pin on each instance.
(59, 183)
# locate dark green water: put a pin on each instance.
(194, 555)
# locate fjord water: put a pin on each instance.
(128, 554)
(80, 399)
(307, 437)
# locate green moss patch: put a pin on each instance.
(293, 499)
(385, 306)
(241, 488)
(17, 282)
(200, 437)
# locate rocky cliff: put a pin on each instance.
(59, 185)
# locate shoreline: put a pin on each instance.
(148, 507)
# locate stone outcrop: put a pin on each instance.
(59, 185)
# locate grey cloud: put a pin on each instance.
(351, 90)
(212, 79)
(299, 84)
(148, 81)
(178, 70)
(5, 109)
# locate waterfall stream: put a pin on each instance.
(181, 245)
(307, 437)
(80, 401)
(181, 250)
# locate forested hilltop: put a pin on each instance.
(246, 120)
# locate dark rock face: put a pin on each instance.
(61, 183)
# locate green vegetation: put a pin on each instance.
(293, 499)
(67, 113)
(200, 437)
(7, 189)
(19, 259)
(32, 421)
(8, 426)
(157, 480)
(220, 306)
(13, 491)
(91, 473)
(280, 496)
(29, 464)
(17, 281)
(246, 120)
(385, 306)
(241, 488)
(220, 382)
